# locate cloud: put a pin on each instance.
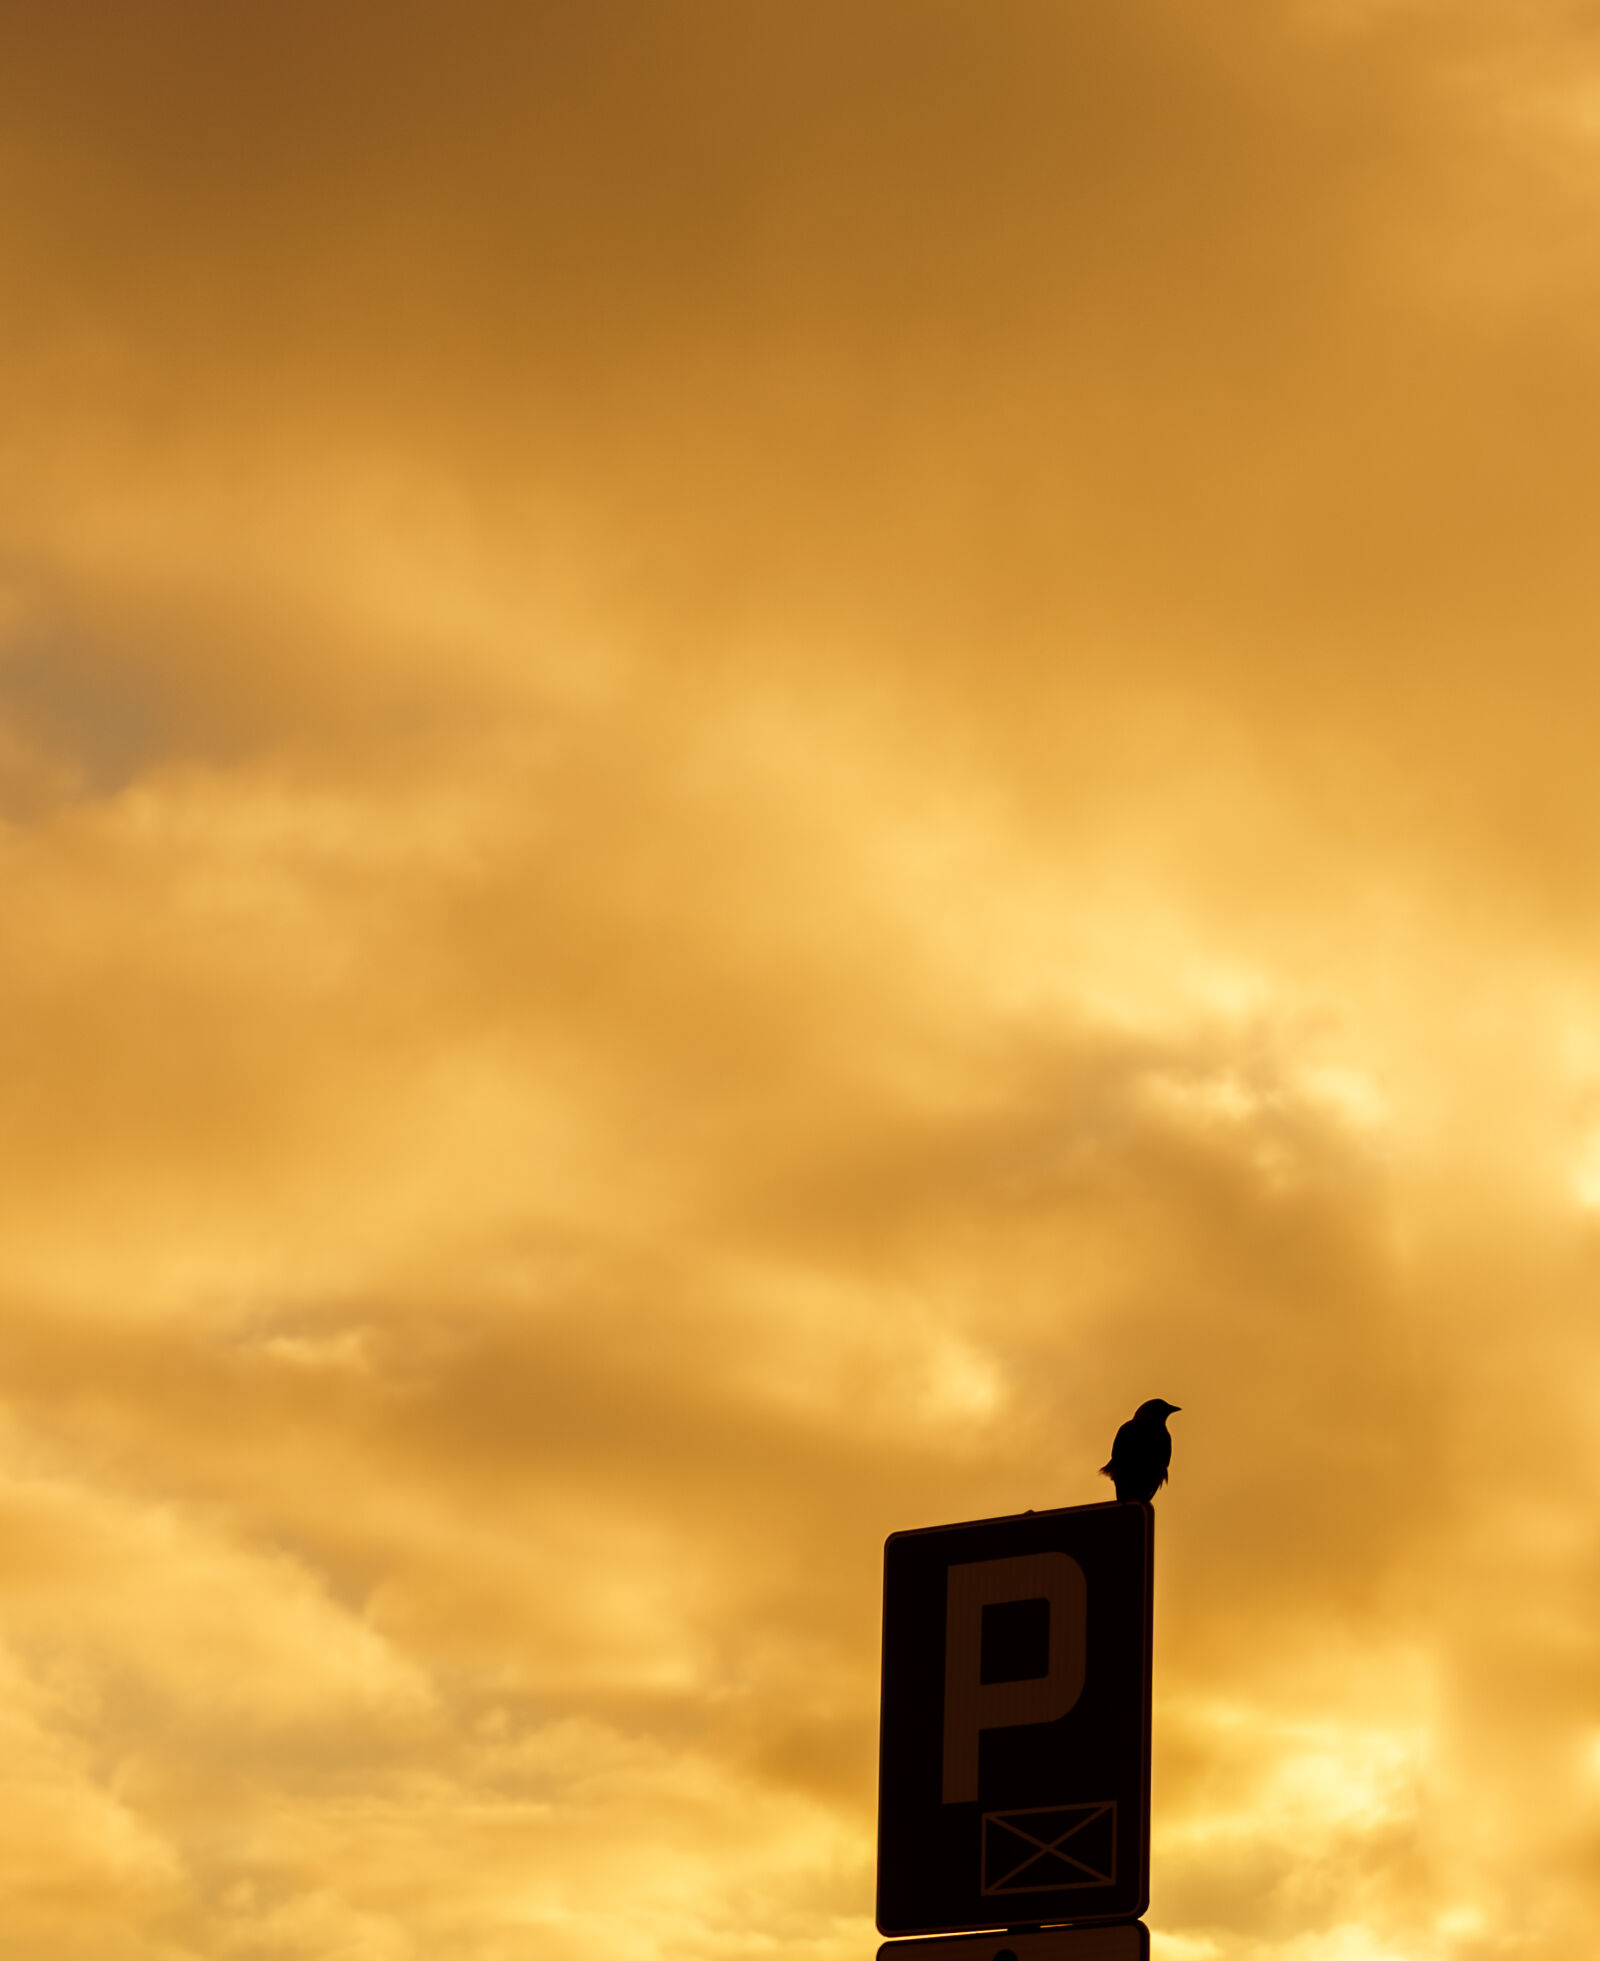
(749, 760)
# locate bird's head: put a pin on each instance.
(1155, 1411)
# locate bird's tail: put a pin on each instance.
(1106, 1471)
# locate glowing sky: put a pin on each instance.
(751, 756)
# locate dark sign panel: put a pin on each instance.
(1014, 1768)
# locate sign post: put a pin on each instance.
(1014, 1764)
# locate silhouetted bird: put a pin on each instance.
(1142, 1451)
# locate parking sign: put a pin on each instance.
(1014, 1761)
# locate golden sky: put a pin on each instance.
(752, 754)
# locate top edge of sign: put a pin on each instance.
(1011, 1518)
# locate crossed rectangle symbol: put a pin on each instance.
(1048, 1848)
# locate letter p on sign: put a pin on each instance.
(972, 1705)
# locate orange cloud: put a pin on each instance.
(749, 759)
